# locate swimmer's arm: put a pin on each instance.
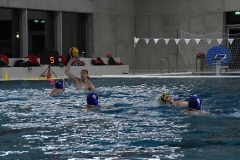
(67, 70)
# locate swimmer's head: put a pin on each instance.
(59, 84)
(92, 99)
(165, 97)
(195, 103)
(84, 73)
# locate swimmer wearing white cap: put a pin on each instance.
(82, 83)
(194, 103)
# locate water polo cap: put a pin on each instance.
(195, 103)
(92, 99)
(59, 84)
(164, 97)
(73, 52)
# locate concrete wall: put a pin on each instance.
(69, 32)
(19, 73)
(82, 6)
(116, 22)
(161, 18)
(35, 72)
(114, 29)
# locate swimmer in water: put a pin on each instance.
(194, 103)
(59, 88)
(82, 83)
(92, 101)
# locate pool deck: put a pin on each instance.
(136, 75)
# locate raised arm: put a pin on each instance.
(67, 70)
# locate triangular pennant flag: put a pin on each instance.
(187, 41)
(147, 40)
(197, 41)
(177, 41)
(219, 41)
(136, 40)
(209, 41)
(166, 41)
(156, 40)
(230, 41)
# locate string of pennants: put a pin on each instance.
(177, 40)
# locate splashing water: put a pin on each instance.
(130, 123)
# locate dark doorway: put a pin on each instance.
(36, 44)
(234, 30)
(234, 33)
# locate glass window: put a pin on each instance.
(233, 17)
(9, 37)
(40, 31)
(74, 32)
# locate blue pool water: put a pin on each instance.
(129, 124)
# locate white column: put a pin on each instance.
(58, 32)
(23, 33)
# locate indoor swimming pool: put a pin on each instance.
(128, 124)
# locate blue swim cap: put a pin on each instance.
(59, 84)
(195, 103)
(92, 99)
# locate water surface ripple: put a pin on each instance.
(129, 124)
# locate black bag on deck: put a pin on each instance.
(97, 62)
(2, 63)
(20, 63)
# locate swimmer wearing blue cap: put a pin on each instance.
(59, 88)
(82, 83)
(92, 101)
(194, 103)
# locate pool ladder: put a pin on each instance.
(167, 64)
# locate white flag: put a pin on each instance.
(197, 41)
(187, 41)
(209, 41)
(177, 41)
(136, 40)
(147, 40)
(166, 41)
(230, 41)
(156, 40)
(219, 41)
